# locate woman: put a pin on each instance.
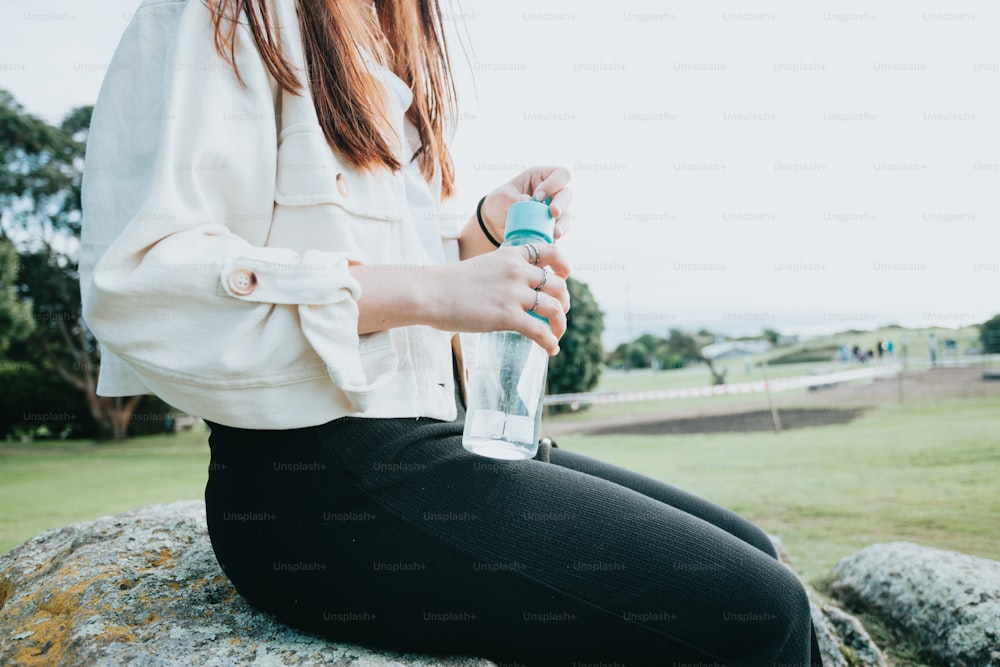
(261, 248)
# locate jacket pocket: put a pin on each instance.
(309, 173)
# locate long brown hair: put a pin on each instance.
(407, 37)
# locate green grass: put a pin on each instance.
(925, 473)
(47, 485)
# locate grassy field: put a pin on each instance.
(49, 485)
(922, 472)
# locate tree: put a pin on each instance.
(16, 322)
(676, 351)
(989, 334)
(40, 214)
(683, 345)
(718, 376)
(577, 367)
(628, 356)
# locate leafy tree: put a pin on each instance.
(16, 322)
(40, 214)
(989, 334)
(771, 336)
(628, 355)
(643, 351)
(577, 367)
(686, 348)
(683, 345)
(677, 350)
(35, 404)
(637, 356)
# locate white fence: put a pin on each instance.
(775, 385)
(866, 371)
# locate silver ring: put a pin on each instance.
(533, 254)
(538, 298)
(545, 278)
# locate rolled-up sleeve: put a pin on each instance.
(177, 278)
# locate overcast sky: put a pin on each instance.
(808, 167)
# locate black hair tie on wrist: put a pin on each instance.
(482, 225)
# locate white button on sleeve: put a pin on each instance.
(242, 281)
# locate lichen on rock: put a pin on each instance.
(948, 601)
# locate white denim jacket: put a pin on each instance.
(218, 226)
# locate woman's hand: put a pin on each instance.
(491, 289)
(536, 182)
(495, 292)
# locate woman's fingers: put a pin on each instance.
(554, 286)
(563, 225)
(502, 291)
(553, 179)
(538, 331)
(539, 183)
(559, 209)
(547, 306)
(560, 203)
(545, 254)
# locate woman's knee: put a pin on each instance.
(786, 615)
(745, 530)
(755, 536)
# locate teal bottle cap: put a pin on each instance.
(532, 217)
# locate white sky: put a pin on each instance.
(808, 167)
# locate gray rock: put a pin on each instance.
(950, 601)
(843, 640)
(144, 588)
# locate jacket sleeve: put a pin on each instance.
(178, 194)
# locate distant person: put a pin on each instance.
(890, 349)
(878, 348)
(845, 353)
(261, 248)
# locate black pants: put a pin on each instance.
(388, 533)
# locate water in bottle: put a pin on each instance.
(507, 374)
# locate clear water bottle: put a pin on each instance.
(506, 381)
